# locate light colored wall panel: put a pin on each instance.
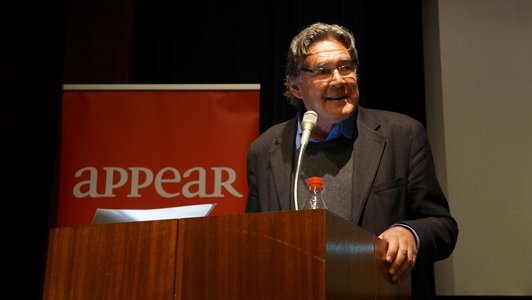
(479, 110)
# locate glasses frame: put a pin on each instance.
(326, 73)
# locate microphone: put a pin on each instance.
(310, 118)
(307, 124)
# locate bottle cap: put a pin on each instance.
(315, 182)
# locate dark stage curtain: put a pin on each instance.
(30, 103)
(226, 42)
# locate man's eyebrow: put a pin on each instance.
(320, 64)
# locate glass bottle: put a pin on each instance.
(315, 198)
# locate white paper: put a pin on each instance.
(106, 216)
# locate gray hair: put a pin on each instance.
(298, 50)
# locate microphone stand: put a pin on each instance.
(308, 122)
(296, 178)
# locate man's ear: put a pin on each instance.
(294, 87)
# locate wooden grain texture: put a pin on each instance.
(255, 256)
(282, 255)
(355, 264)
(275, 255)
(114, 261)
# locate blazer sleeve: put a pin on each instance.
(430, 213)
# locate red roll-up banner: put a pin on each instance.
(154, 146)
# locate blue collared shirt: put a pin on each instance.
(345, 128)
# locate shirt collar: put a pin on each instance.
(345, 128)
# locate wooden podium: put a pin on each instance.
(309, 254)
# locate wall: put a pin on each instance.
(478, 65)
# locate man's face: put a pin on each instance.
(333, 96)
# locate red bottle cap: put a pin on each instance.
(315, 182)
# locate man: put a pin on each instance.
(377, 166)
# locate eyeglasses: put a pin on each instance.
(324, 73)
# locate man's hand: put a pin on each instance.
(401, 253)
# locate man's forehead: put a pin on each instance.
(329, 55)
(329, 52)
(327, 48)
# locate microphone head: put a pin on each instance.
(310, 118)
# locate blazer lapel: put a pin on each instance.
(281, 158)
(368, 149)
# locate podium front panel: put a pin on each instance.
(253, 256)
(114, 261)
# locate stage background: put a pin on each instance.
(47, 44)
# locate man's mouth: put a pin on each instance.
(342, 97)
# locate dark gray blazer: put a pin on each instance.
(394, 181)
